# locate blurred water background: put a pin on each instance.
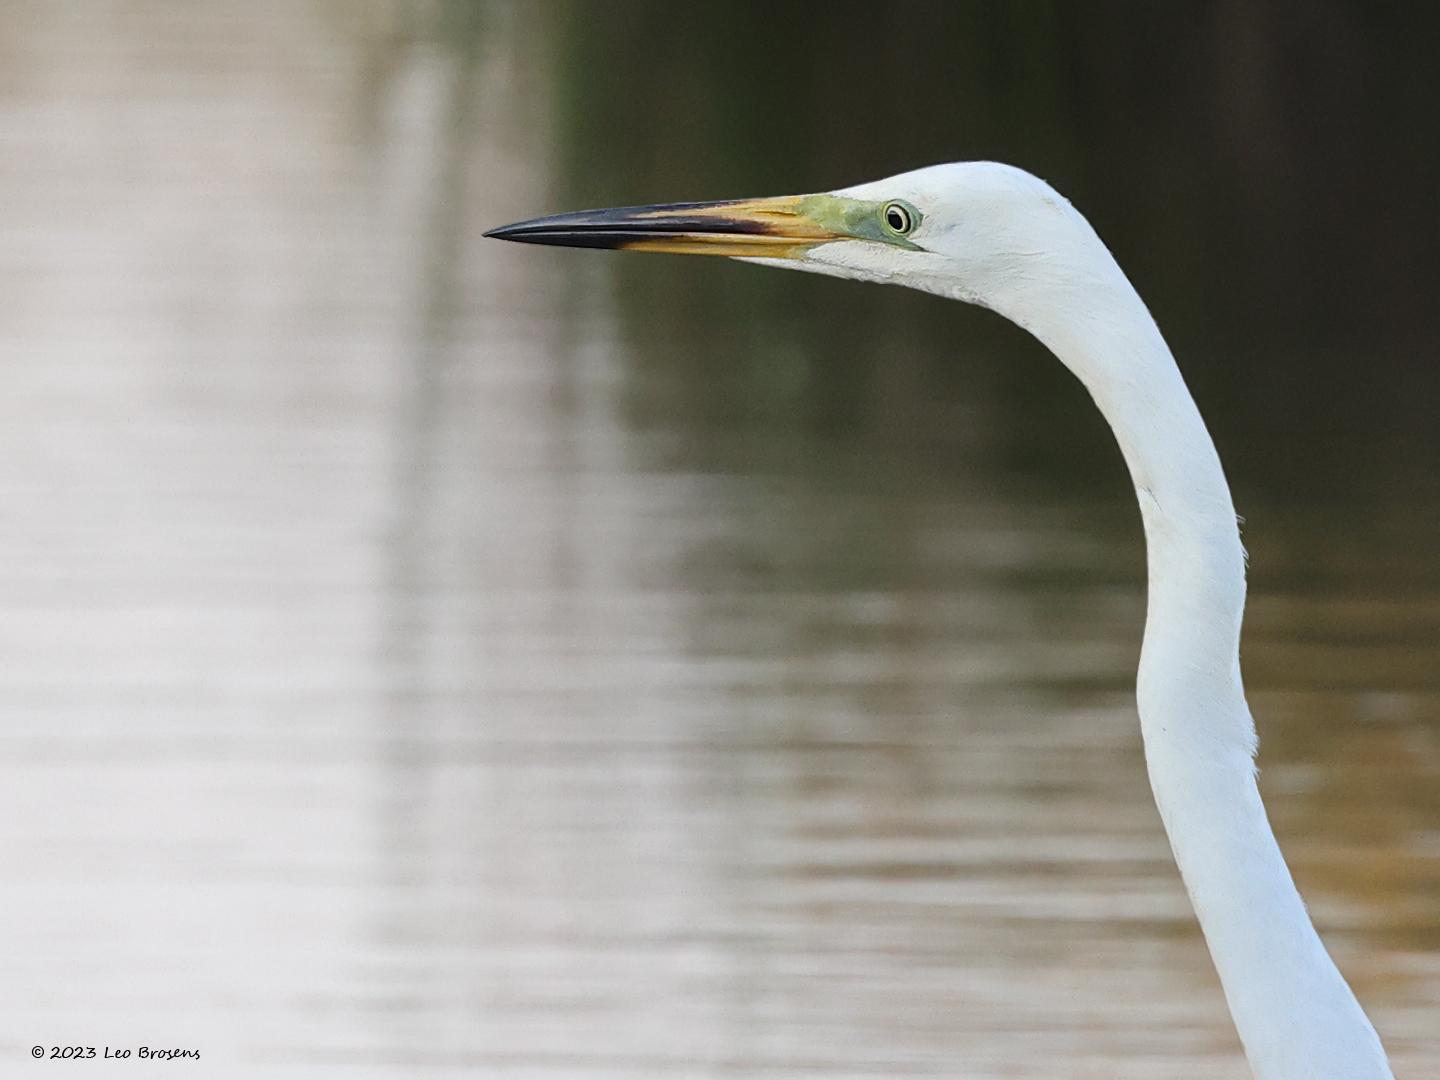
(425, 656)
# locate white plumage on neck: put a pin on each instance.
(996, 236)
(1296, 1016)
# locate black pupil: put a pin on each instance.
(897, 218)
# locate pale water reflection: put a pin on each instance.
(388, 689)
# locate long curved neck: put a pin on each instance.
(1296, 1017)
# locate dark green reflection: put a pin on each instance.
(1228, 155)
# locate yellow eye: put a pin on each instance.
(898, 218)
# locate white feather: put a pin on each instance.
(996, 236)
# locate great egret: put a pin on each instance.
(996, 236)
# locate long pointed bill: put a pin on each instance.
(780, 228)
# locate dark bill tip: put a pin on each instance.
(619, 227)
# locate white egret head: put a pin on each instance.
(974, 231)
(995, 235)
